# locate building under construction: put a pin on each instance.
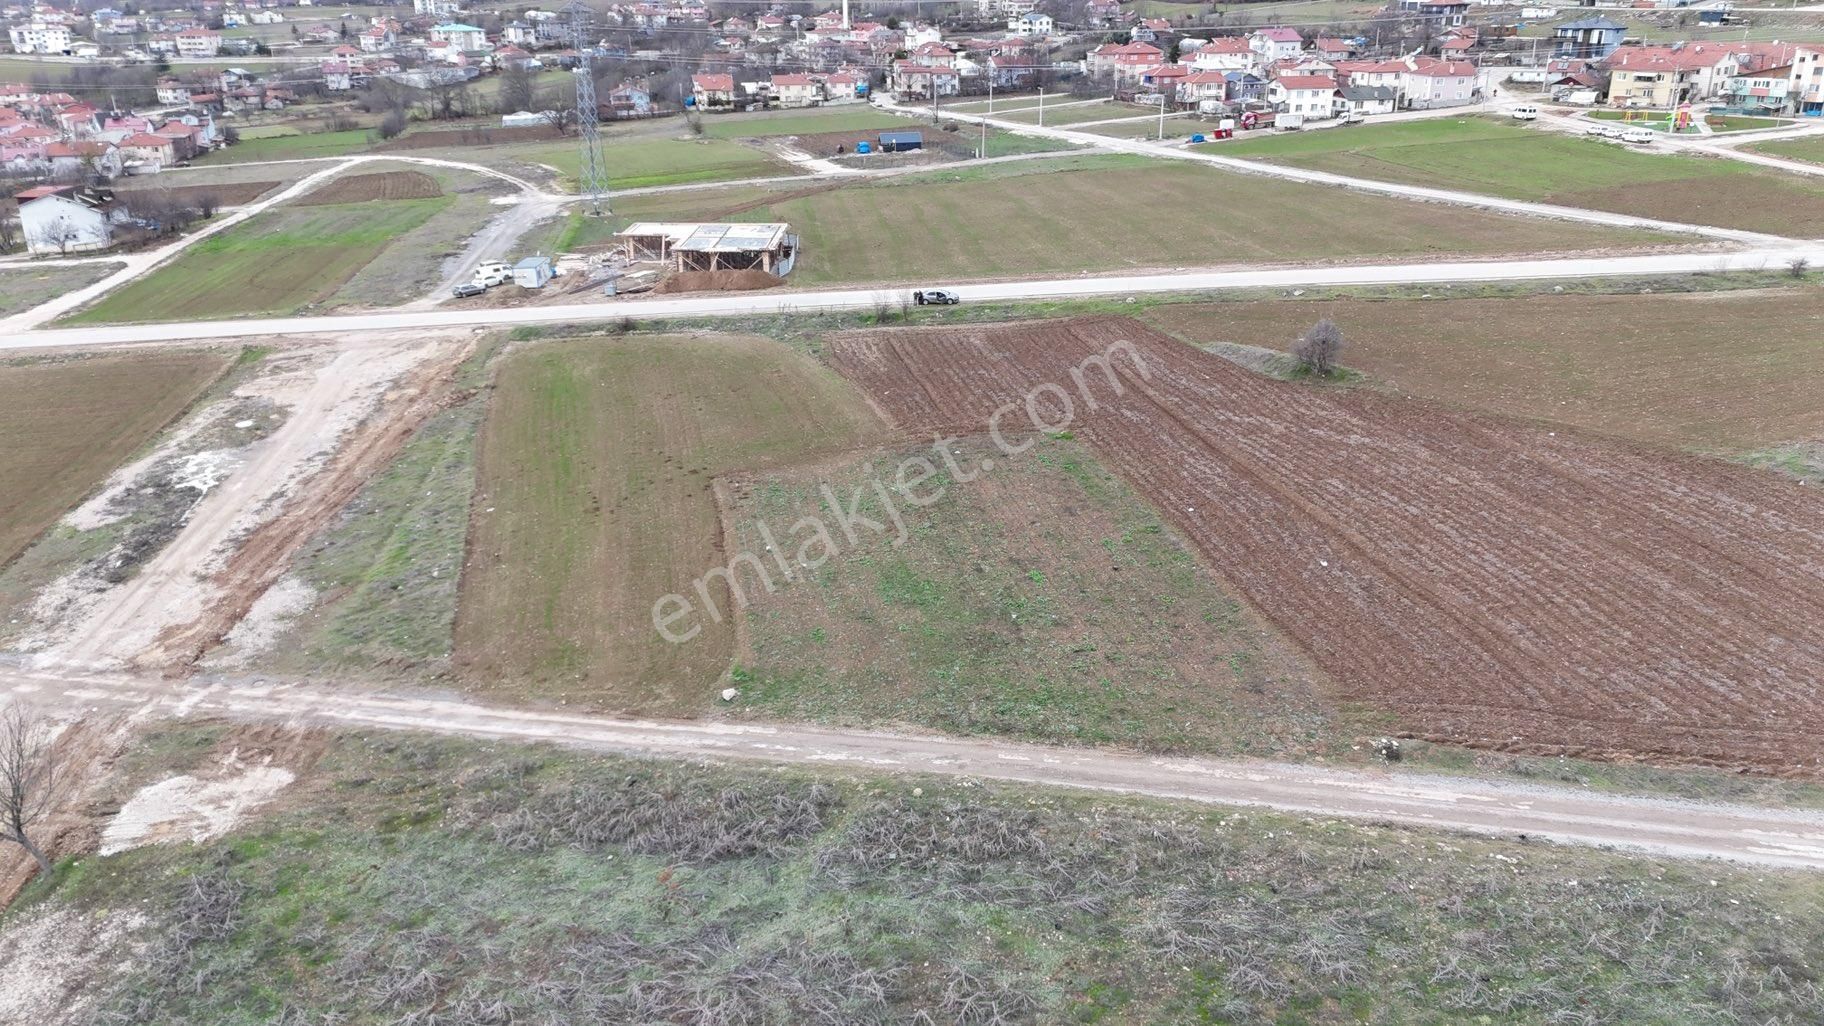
(697, 246)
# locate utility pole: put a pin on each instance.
(1041, 106)
(1161, 117)
(592, 169)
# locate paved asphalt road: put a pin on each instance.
(1758, 836)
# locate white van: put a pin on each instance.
(492, 273)
(1639, 135)
(1524, 113)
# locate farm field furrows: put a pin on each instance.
(1655, 368)
(594, 499)
(66, 424)
(381, 185)
(1490, 583)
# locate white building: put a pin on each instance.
(39, 37)
(1032, 23)
(463, 37)
(58, 223)
(436, 8)
(198, 43)
(1314, 96)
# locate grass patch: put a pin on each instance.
(594, 500)
(387, 568)
(1042, 600)
(22, 288)
(858, 118)
(480, 883)
(283, 261)
(1488, 156)
(1003, 221)
(292, 147)
(651, 162)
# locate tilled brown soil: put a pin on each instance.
(381, 185)
(1490, 583)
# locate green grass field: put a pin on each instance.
(506, 883)
(22, 288)
(1488, 156)
(1809, 149)
(594, 500)
(292, 147)
(1041, 217)
(282, 261)
(856, 118)
(1091, 624)
(647, 162)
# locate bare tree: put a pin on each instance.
(515, 88)
(207, 203)
(61, 233)
(31, 778)
(9, 232)
(1318, 349)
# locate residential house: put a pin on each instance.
(852, 86)
(147, 149)
(40, 37)
(796, 91)
(1124, 61)
(172, 93)
(1806, 89)
(1367, 100)
(1244, 86)
(519, 33)
(195, 43)
(1766, 91)
(1224, 53)
(1588, 38)
(56, 220)
(1200, 87)
(1276, 44)
(265, 18)
(713, 92)
(914, 80)
(1314, 96)
(1032, 24)
(1666, 76)
(436, 8)
(1332, 49)
(1445, 12)
(89, 159)
(629, 100)
(1148, 30)
(466, 38)
(1431, 84)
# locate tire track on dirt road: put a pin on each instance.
(1767, 837)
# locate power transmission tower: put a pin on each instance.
(592, 170)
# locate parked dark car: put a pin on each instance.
(936, 297)
(467, 289)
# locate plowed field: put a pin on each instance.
(1490, 583)
(381, 185)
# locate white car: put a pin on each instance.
(1596, 128)
(1613, 131)
(1526, 113)
(1639, 135)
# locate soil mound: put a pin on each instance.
(719, 281)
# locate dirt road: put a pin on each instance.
(1756, 836)
(868, 297)
(329, 395)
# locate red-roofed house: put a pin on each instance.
(1314, 96)
(1224, 53)
(1433, 83)
(1666, 76)
(1331, 49)
(82, 159)
(713, 92)
(57, 220)
(1124, 61)
(924, 80)
(796, 91)
(1274, 44)
(146, 148)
